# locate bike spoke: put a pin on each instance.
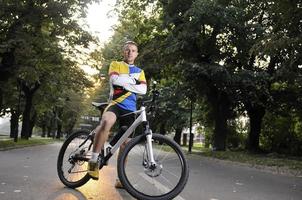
(74, 159)
(158, 180)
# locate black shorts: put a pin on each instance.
(119, 112)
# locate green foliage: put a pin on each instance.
(208, 134)
(282, 134)
(172, 107)
(233, 58)
(41, 45)
(237, 134)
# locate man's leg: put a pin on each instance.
(101, 135)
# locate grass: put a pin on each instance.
(276, 162)
(8, 143)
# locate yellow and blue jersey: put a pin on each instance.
(118, 95)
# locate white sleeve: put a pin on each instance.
(137, 89)
(121, 80)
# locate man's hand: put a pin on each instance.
(137, 82)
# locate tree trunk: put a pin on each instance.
(221, 112)
(14, 124)
(256, 115)
(1, 99)
(59, 122)
(70, 126)
(32, 123)
(49, 131)
(59, 130)
(54, 125)
(43, 130)
(29, 93)
(220, 132)
(177, 137)
(25, 132)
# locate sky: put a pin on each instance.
(100, 19)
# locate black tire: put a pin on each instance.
(160, 183)
(72, 155)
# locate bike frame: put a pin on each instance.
(142, 118)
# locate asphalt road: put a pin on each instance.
(30, 174)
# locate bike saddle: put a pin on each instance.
(100, 106)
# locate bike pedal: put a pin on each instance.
(104, 163)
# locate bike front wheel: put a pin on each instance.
(163, 181)
(73, 159)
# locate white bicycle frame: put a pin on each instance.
(140, 119)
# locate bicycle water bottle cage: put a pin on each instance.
(118, 135)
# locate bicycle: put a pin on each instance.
(151, 167)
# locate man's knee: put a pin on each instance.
(107, 121)
(106, 124)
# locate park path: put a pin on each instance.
(30, 174)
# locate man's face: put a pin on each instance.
(130, 53)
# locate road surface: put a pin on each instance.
(30, 174)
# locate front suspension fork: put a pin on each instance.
(150, 149)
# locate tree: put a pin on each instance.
(32, 36)
(172, 109)
(273, 34)
(236, 56)
(139, 21)
(216, 45)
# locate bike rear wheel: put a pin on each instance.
(163, 182)
(73, 159)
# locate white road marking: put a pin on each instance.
(158, 185)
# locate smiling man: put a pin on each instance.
(126, 81)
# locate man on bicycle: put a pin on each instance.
(126, 80)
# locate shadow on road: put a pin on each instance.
(67, 194)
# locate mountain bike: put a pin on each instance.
(151, 167)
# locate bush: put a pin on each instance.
(282, 134)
